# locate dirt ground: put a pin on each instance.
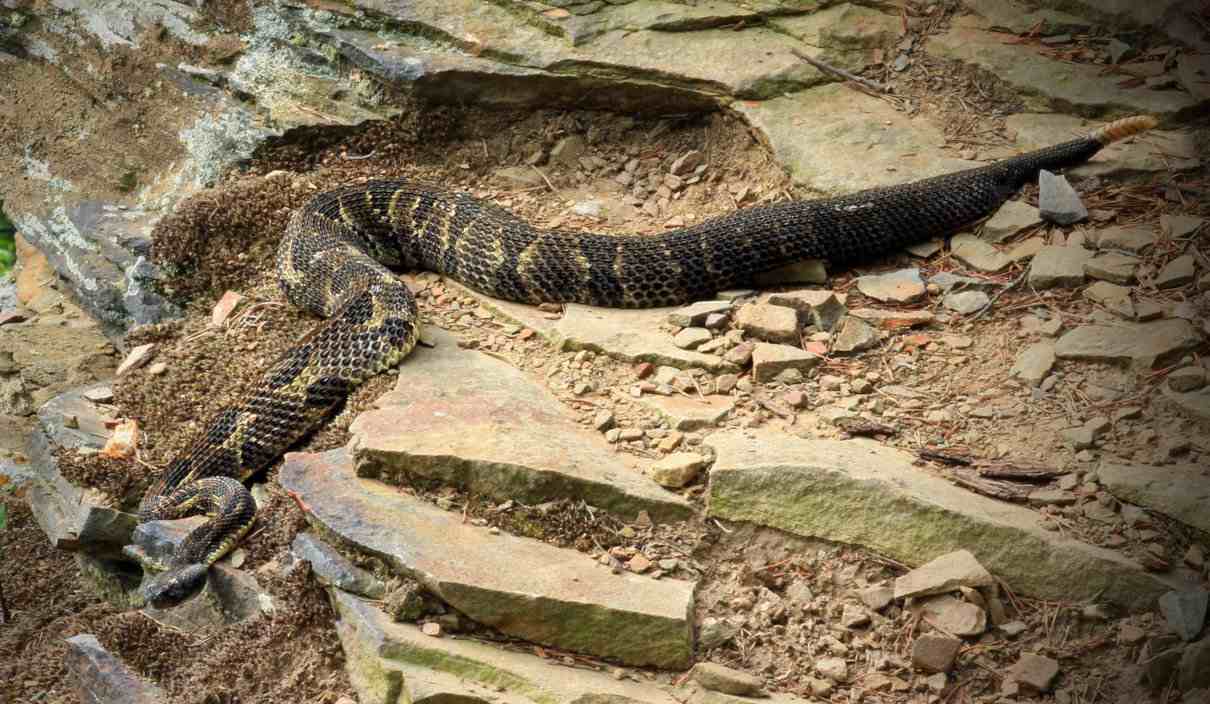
(224, 238)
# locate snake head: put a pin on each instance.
(174, 586)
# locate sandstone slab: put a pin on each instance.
(1139, 344)
(395, 663)
(471, 420)
(769, 360)
(978, 254)
(946, 573)
(569, 603)
(863, 493)
(903, 286)
(1158, 151)
(1012, 217)
(100, 676)
(1181, 491)
(1192, 404)
(690, 413)
(1058, 267)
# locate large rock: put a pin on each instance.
(1142, 345)
(100, 677)
(1181, 491)
(395, 663)
(471, 420)
(860, 492)
(1127, 158)
(522, 587)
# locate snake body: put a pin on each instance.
(336, 257)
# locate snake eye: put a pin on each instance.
(174, 586)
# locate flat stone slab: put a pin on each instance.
(394, 663)
(835, 140)
(1157, 151)
(1181, 491)
(1192, 404)
(1047, 83)
(1143, 345)
(863, 493)
(522, 587)
(101, 677)
(690, 413)
(474, 421)
(628, 335)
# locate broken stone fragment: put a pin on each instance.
(1058, 202)
(724, 679)
(935, 652)
(903, 286)
(768, 361)
(1035, 673)
(137, 357)
(677, 470)
(944, 574)
(768, 322)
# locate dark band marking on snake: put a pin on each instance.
(333, 262)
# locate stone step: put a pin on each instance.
(863, 493)
(470, 420)
(522, 587)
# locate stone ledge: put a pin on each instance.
(522, 587)
(867, 494)
(101, 678)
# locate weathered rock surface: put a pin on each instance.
(99, 676)
(394, 663)
(334, 569)
(903, 286)
(1131, 157)
(570, 603)
(1012, 217)
(1139, 344)
(1034, 363)
(1193, 404)
(1181, 491)
(978, 254)
(474, 421)
(688, 414)
(769, 360)
(1058, 267)
(863, 493)
(1185, 612)
(946, 573)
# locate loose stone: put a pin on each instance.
(1035, 672)
(677, 470)
(904, 286)
(1012, 217)
(944, 574)
(1058, 267)
(718, 678)
(1113, 267)
(696, 313)
(137, 357)
(768, 361)
(934, 652)
(692, 338)
(1128, 238)
(978, 254)
(855, 335)
(966, 302)
(768, 322)
(1058, 202)
(1176, 273)
(1034, 363)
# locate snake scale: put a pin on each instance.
(336, 257)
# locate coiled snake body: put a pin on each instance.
(334, 259)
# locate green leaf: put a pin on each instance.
(3, 515)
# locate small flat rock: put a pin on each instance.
(1113, 267)
(1058, 202)
(811, 271)
(677, 469)
(944, 574)
(1185, 612)
(822, 308)
(692, 338)
(1143, 345)
(877, 598)
(935, 652)
(1012, 217)
(947, 281)
(1035, 672)
(1114, 297)
(1026, 249)
(855, 335)
(1181, 491)
(1131, 157)
(1195, 672)
(1193, 404)
(135, 358)
(334, 569)
(966, 302)
(903, 286)
(1187, 379)
(1132, 239)
(100, 676)
(1178, 272)
(814, 488)
(688, 414)
(978, 254)
(719, 678)
(474, 421)
(953, 616)
(768, 322)
(925, 249)
(392, 662)
(893, 319)
(222, 310)
(696, 313)
(1058, 267)
(1034, 363)
(566, 604)
(1178, 227)
(834, 669)
(99, 394)
(769, 360)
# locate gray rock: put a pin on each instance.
(1080, 438)
(935, 652)
(1058, 202)
(966, 302)
(1058, 267)
(1026, 249)
(1142, 345)
(944, 574)
(1194, 404)
(1129, 158)
(877, 598)
(953, 616)
(1134, 239)
(695, 314)
(504, 435)
(1034, 363)
(768, 361)
(947, 281)
(689, 413)
(925, 249)
(334, 569)
(768, 322)
(1195, 669)
(978, 254)
(568, 150)
(822, 308)
(692, 338)
(99, 676)
(715, 632)
(1012, 217)
(1185, 612)
(1114, 297)
(719, 678)
(565, 604)
(1112, 267)
(1176, 273)
(677, 470)
(1186, 379)
(1180, 491)
(1178, 227)
(1035, 673)
(903, 286)
(855, 335)
(813, 487)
